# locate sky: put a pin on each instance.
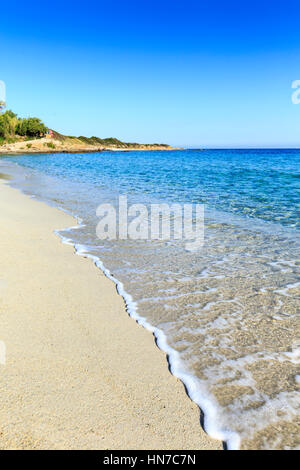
(191, 73)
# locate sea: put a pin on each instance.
(226, 314)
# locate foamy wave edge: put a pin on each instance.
(194, 389)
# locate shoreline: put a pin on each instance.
(129, 385)
(83, 150)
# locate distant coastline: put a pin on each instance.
(30, 135)
(41, 145)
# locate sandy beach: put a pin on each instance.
(79, 373)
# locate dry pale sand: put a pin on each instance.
(79, 372)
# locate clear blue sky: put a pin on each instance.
(189, 73)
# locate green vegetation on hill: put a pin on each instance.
(11, 127)
(113, 142)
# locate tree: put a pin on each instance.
(2, 106)
(21, 128)
(10, 114)
(35, 127)
(10, 126)
(3, 128)
(7, 126)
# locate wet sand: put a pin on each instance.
(79, 373)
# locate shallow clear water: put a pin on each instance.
(230, 309)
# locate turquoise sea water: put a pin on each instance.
(228, 313)
(262, 184)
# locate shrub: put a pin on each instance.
(51, 145)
